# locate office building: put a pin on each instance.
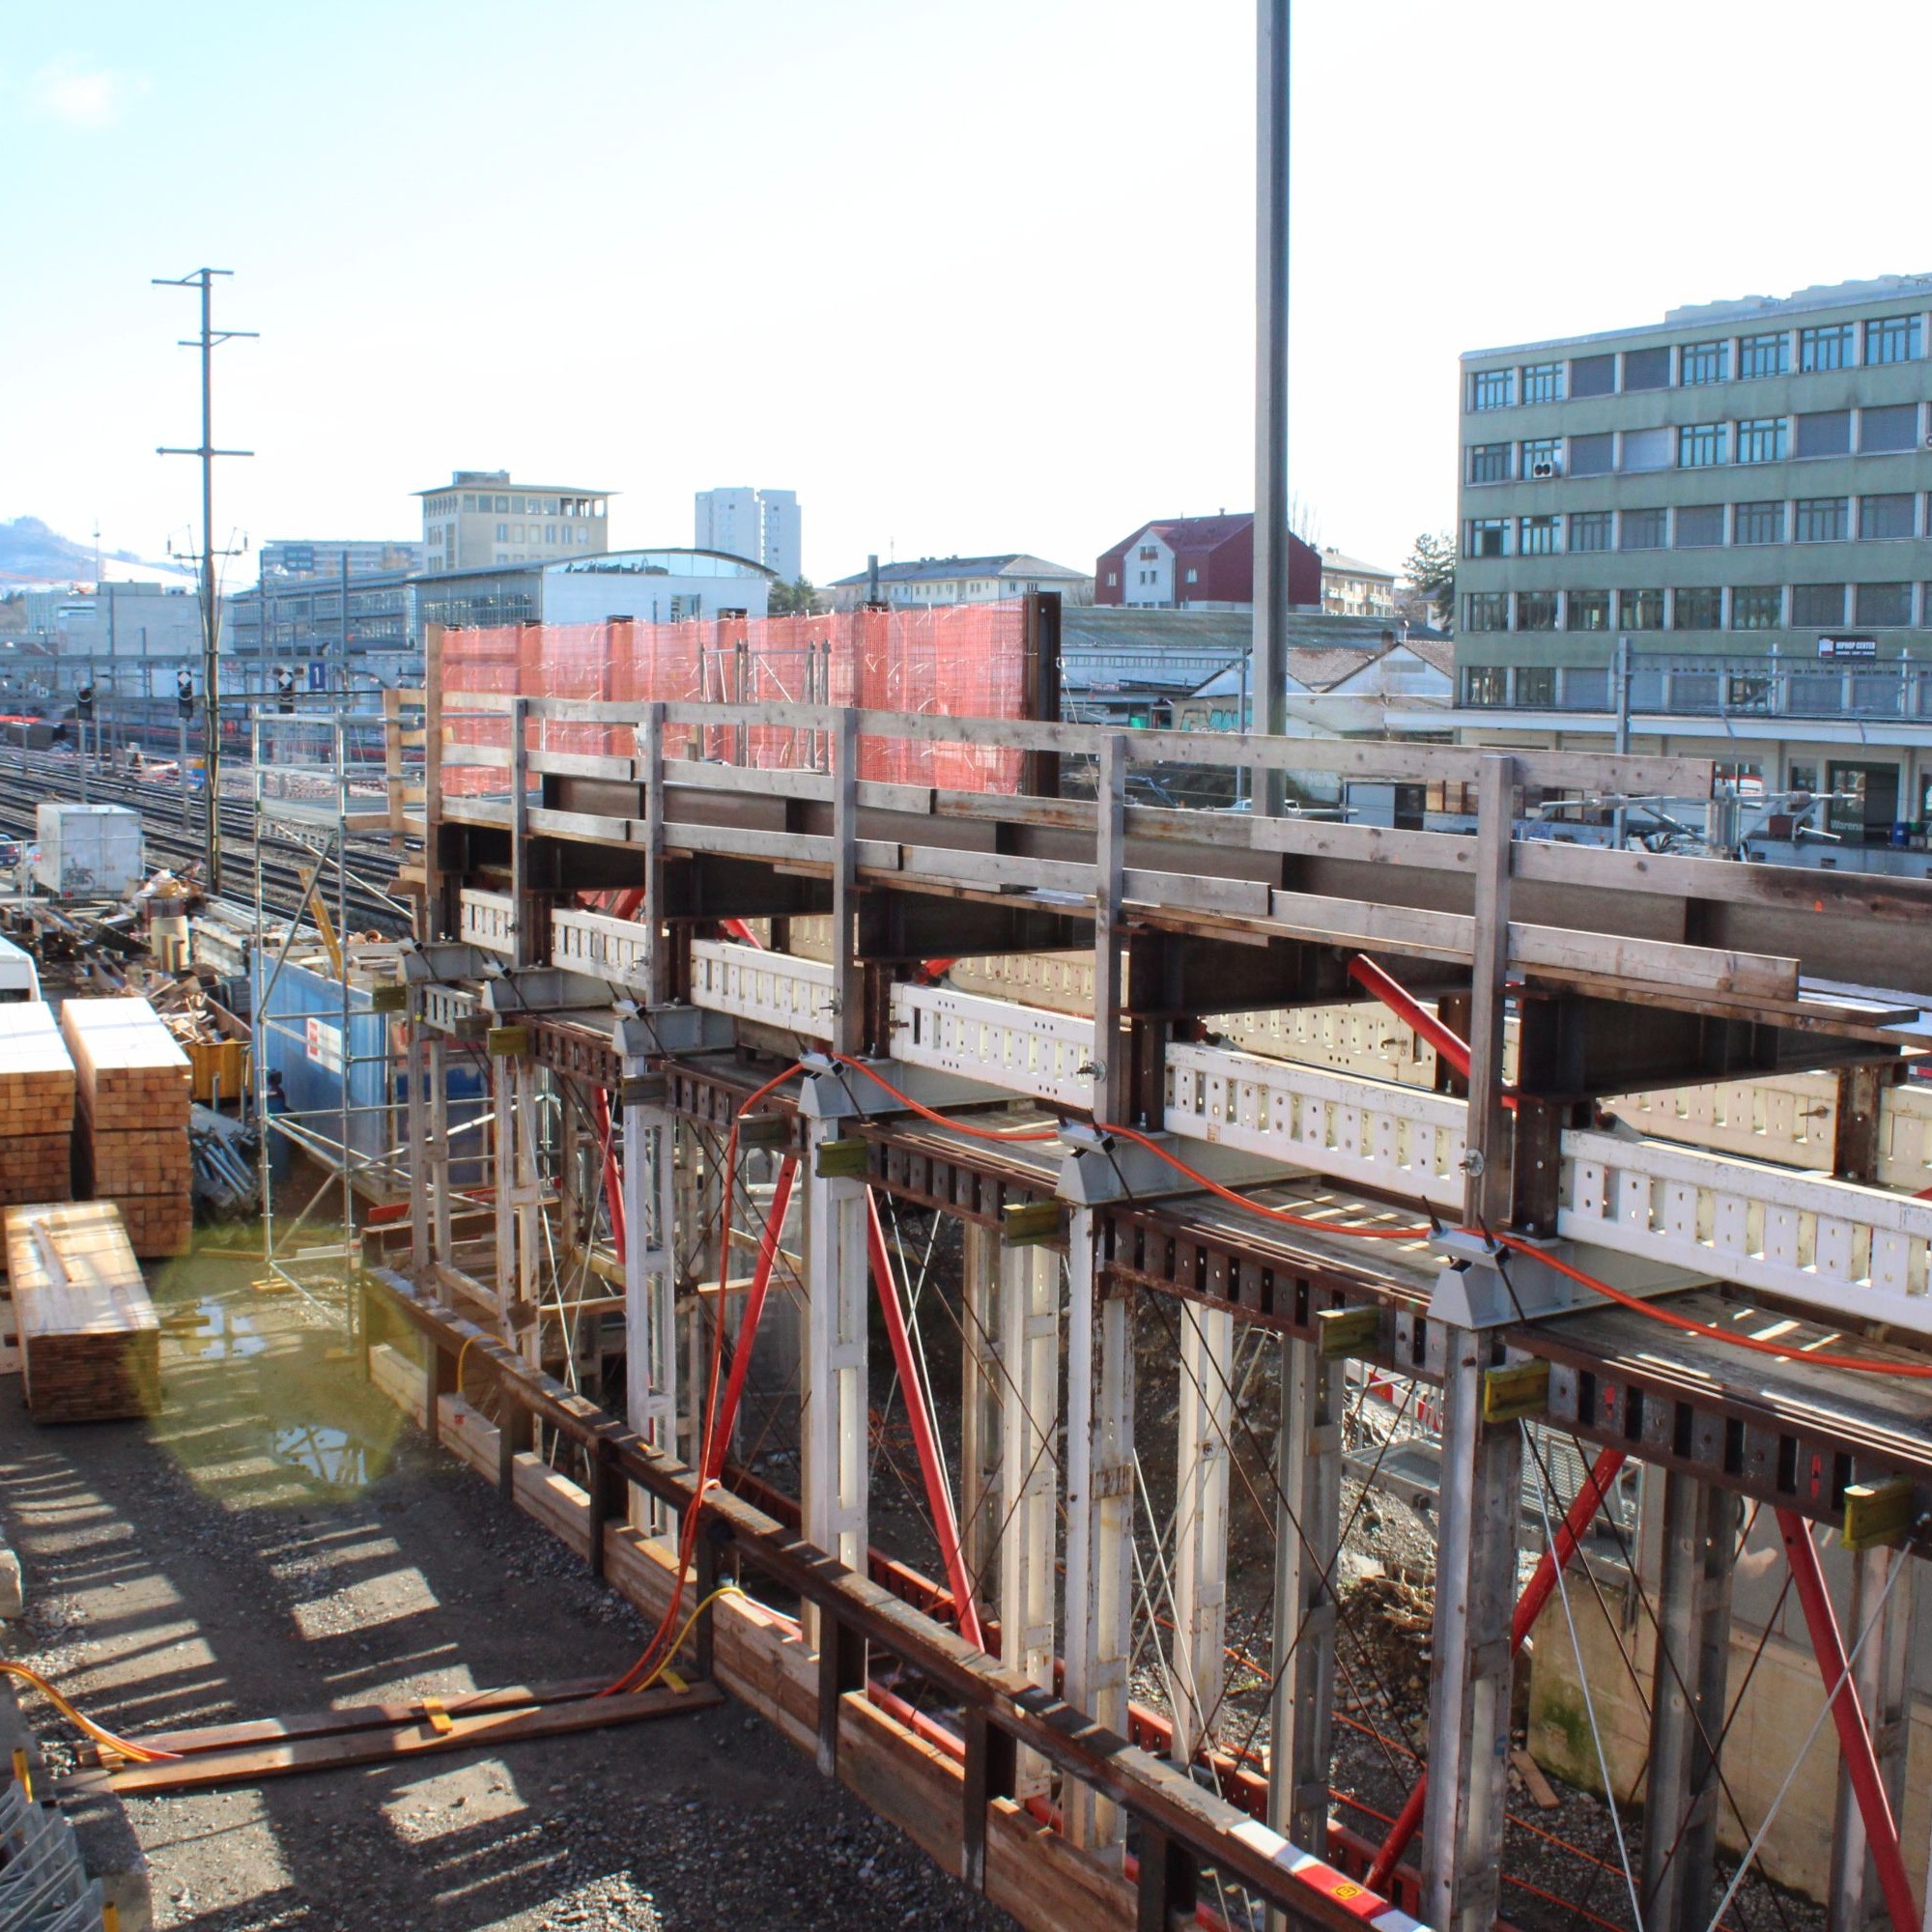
(338, 559)
(761, 525)
(483, 520)
(654, 586)
(1745, 477)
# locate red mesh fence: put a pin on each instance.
(963, 661)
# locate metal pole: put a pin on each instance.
(1271, 537)
(1622, 676)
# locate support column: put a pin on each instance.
(503, 1180)
(650, 1283)
(1029, 1427)
(1206, 1415)
(435, 1163)
(1881, 1676)
(1469, 1673)
(1099, 1512)
(1309, 1466)
(528, 1207)
(833, 1374)
(417, 1119)
(1687, 1706)
(982, 1489)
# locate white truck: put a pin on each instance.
(88, 851)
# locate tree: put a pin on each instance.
(1430, 572)
(799, 599)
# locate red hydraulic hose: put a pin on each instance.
(1529, 1608)
(1855, 1743)
(613, 1172)
(939, 1498)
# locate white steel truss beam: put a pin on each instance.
(1029, 1427)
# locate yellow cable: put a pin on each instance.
(468, 1342)
(677, 1644)
(140, 1753)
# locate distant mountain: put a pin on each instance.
(32, 553)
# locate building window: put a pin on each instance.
(1825, 347)
(1757, 607)
(1762, 440)
(1492, 389)
(1892, 428)
(1697, 610)
(1542, 383)
(502, 533)
(1486, 684)
(1113, 579)
(1827, 433)
(1536, 685)
(1821, 604)
(1486, 536)
(1542, 457)
(1593, 455)
(1646, 449)
(1759, 523)
(1587, 610)
(1823, 518)
(1590, 529)
(1646, 368)
(1642, 529)
(1892, 338)
(1193, 576)
(1703, 362)
(1699, 445)
(1883, 604)
(1768, 354)
(1536, 609)
(1486, 610)
(1640, 610)
(1889, 516)
(1490, 462)
(1149, 552)
(1699, 526)
(1593, 375)
(1536, 537)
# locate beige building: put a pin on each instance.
(483, 519)
(1352, 589)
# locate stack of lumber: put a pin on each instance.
(90, 1342)
(36, 1105)
(130, 1143)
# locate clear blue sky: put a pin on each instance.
(965, 276)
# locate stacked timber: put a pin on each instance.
(133, 1086)
(36, 1105)
(90, 1342)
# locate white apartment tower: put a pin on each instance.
(761, 524)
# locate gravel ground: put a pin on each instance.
(277, 1542)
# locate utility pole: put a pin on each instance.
(1271, 535)
(211, 606)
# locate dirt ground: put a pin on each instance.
(278, 1542)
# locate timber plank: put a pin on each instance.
(90, 1341)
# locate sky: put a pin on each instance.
(967, 277)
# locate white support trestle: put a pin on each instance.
(1204, 1417)
(651, 1288)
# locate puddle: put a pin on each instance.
(224, 1335)
(332, 1456)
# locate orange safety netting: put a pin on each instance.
(962, 661)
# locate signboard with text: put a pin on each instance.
(1848, 647)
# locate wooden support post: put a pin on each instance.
(1687, 1706)
(436, 1159)
(1470, 1671)
(515, 1433)
(416, 1126)
(1203, 1419)
(833, 1374)
(1111, 1070)
(842, 1669)
(608, 1503)
(651, 1288)
(528, 1211)
(1881, 1676)
(1487, 1199)
(1039, 692)
(651, 914)
(1167, 1894)
(704, 1580)
(991, 1772)
(1030, 1426)
(1100, 1511)
(1308, 1528)
(981, 1505)
(439, 1381)
(1855, 1132)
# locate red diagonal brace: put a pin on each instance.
(1855, 1743)
(613, 1172)
(755, 1307)
(938, 1498)
(1412, 1013)
(1529, 1608)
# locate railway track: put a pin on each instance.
(30, 779)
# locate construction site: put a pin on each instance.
(757, 1247)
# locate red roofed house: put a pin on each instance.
(1175, 561)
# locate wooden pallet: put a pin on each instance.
(37, 1076)
(129, 1070)
(90, 1342)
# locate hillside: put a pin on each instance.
(30, 553)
